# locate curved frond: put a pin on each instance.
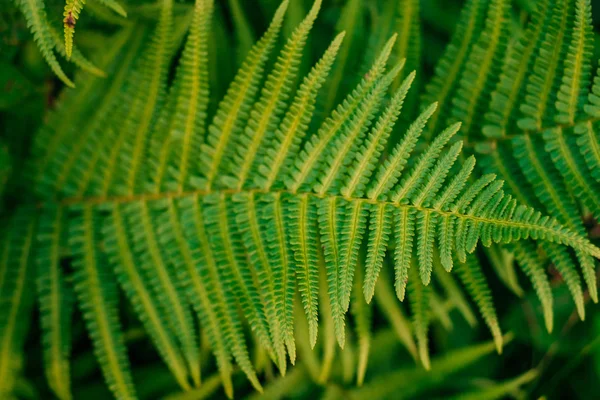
(16, 298)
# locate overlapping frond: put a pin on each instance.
(538, 127)
(16, 294)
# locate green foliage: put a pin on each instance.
(238, 230)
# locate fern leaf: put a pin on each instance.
(564, 152)
(351, 238)
(538, 107)
(227, 246)
(435, 179)
(56, 301)
(235, 106)
(564, 265)
(38, 24)
(503, 109)
(97, 295)
(126, 174)
(135, 284)
(225, 218)
(269, 276)
(283, 266)
(294, 125)
(168, 292)
(477, 81)
(404, 232)
(70, 159)
(362, 315)
(380, 229)
(534, 269)
(539, 173)
(71, 13)
(331, 217)
(577, 71)
(444, 84)
(345, 145)
(306, 166)
(302, 238)
(217, 287)
(408, 185)
(389, 173)
(589, 147)
(173, 239)
(187, 126)
(426, 227)
(266, 113)
(15, 295)
(473, 279)
(357, 180)
(418, 296)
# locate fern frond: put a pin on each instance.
(187, 128)
(380, 229)
(473, 279)
(445, 82)
(229, 252)
(35, 14)
(268, 274)
(577, 70)
(266, 113)
(477, 81)
(97, 295)
(217, 282)
(294, 125)
(135, 284)
(235, 106)
(302, 231)
(362, 316)
(331, 217)
(195, 281)
(16, 298)
(419, 297)
(71, 13)
(534, 269)
(168, 292)
(303, 170)
(520, 59)
(56, 301)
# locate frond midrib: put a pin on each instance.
(117, 199)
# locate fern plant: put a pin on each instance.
(239, 212)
